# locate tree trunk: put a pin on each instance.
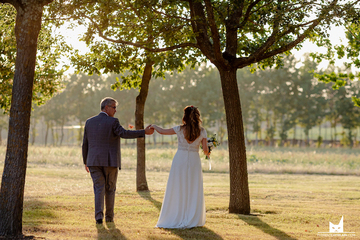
(154, 138)
(0, 136)
(294, 136)
(308, 139)
(319, 135)
(141, 183)
(335, 131)
(28, 24)
(80, 137)
(33, 131)
(47, 132)
(325, 134)
(331, 135)
(54, 138)
(267, 127)
(256, 139)
(62, 131)
(239, 187)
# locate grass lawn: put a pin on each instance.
(59, 199)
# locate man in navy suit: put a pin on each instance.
(102, 156)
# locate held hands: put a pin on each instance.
(153, 126)
(149, 130)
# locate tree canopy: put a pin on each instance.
(48, 75)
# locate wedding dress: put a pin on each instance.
(183, 205)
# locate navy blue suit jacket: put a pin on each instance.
(101, 143)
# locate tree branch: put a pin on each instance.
(241, 62)
(247, 14)
(8, 1)
(139, 44)
(214, 30)
(261, 53)
(199, 26)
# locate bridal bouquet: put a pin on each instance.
(212, 142)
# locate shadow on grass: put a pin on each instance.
(36, 212)
(189, 233)
(255, 221)
(110, 233)
(147, 196)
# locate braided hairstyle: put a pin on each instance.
(191, 123)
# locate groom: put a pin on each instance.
(102, 157)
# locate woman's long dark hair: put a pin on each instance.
(191, 123)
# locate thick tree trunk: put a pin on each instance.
(141, 183)
(239, 187)
(28, 24)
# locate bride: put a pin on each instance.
(184, 205)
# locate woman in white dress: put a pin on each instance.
(184, 205)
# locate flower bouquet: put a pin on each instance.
(212, 143)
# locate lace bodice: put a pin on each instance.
(184, 145)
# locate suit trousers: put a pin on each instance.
(104, 180)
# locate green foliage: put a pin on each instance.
(282, 99)
(319, 142)
(47, 73)
(356, 101)
(123, 36)
(350, 51)
(345, 140)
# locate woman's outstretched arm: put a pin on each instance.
(163, 131)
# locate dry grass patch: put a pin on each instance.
(283, 207)
(59, 198)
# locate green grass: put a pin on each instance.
(59, 199)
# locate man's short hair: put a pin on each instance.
(107, 102)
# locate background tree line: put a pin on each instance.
(279, 105)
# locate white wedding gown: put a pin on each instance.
(184, 205)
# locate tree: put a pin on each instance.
(313, 103)
(350, 51)
(349, 113)
(235, 34)
(119, 24)
(27, 28)
(231, 35)
(47, 72)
